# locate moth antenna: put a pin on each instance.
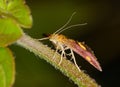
(43, 38)
(71, 27)
(65, 23)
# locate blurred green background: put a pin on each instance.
(102, 34)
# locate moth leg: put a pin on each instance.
(55, 52)
(62, 54)
(73, 57)
(69, 54)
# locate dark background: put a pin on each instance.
(102, 34)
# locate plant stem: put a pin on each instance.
(66, 67)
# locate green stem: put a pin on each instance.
(66, 67)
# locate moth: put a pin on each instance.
(62, 43)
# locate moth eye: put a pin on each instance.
(45, 35)
(82, 46)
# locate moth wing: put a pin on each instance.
(83, 50)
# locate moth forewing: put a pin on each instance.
(83, 51)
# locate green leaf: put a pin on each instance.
(7, 68)
(2, 77)
(17, 10)
(9, 31)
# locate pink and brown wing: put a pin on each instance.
(84, 51)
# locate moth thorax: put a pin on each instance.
(54, 38)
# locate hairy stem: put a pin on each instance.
(66, 67)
